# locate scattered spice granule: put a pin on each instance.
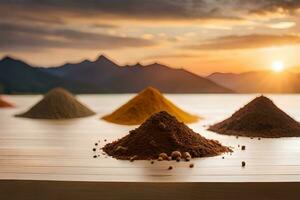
(186, 156)
(187, 159)
(121, 149)
(152, 162)
(94, 156)
(133, 158)
(164, 156)
(191, 165)
(175, 155)
(243, 163)
(94, 149)
(243, 147)
(170, 168)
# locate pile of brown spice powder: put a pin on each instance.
(162, 133)
(5, 104)
(259, 118)
(58, 104)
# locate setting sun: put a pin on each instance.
(278, 66)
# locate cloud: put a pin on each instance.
(253, 41)
(171, 56)
(25, 37)
(63, 24)
(148, 9)
(122, 9)
(264, 6)
(148, 36)
(282, 25)
(104, 26)
(210, 14)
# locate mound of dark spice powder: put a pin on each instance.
(162, 133)
(259, 118)
(5, 104)
(58, 104)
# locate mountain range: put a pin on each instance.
(101, 76)
(259, 81)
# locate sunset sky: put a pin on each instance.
(202, 36)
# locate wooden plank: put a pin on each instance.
(28, 190)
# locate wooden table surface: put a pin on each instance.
(61, 151)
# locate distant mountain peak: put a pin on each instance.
(104, 59)
(85, 61)
(101, 57)
(8, 58)
(156, 64)
(138, 64)
(12, 61)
